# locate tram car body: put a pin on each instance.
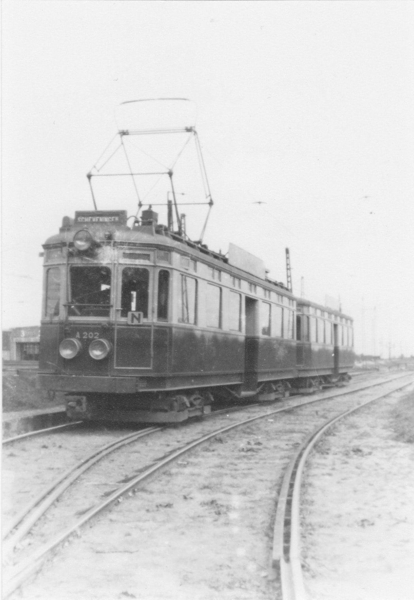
(324, 349)
(140, 324)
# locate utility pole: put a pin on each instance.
(374, 331)
(362, 326)
(288, 271)
(183, 225)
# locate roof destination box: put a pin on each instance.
(101, 217)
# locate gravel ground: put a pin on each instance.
(196, 532)
(203, 529)
(357, 512)
(30, 465)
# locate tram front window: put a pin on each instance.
(134, 294)
(90, 292)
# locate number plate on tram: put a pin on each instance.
(86, 335)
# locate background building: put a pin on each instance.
(21, 343)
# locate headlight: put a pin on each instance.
(69, 348)
(100, 349)
(83, 240)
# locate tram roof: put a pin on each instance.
(156, 236)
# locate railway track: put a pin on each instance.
(37, 432)
(286, 547)
(58, 428)
(153, 460)
(25, 520)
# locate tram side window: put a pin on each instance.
(90, 291)
(299, 328)
(266, 318)
(312, 329)
(213, 306)
(288, 324)
(188, 300)
(52, 299)
(277, 321)
(134, 293)
(163, 289)
(328, 332)
(306, 328)
(321, 332)
(235, 312)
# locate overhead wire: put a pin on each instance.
(106, 148)
(146, 153)
(181, 151)
(108, 159)
(169, 171)
(202, 168)
(132, 176)
(155, 184)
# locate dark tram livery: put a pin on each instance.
(140, 324)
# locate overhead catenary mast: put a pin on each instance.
(288, 271)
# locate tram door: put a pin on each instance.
(336, 348)
(251, 353)
(133, 328)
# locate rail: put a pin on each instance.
(26, 519)
(47, 430)
(286, 538)
(31, 565)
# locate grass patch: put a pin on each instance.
(403, 419)
(20, 392)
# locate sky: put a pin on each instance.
(305, 114)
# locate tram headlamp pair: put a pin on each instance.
(98, 349)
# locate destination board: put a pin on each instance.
(101, 217)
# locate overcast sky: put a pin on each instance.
(304, 106)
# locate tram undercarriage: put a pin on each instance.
(160, 408)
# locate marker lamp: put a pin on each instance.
(99, 349)
(83, 240)
(69, 348)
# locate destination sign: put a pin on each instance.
(104, 217)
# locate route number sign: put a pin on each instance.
(135, 318)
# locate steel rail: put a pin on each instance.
(286, 554)
(33, 564)
(39, 505)
(48, 496)
(50, 429)
(41, 431)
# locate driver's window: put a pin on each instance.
(135, 289)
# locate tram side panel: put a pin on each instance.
(277, 359)
(202, 357)
(49, 358)
(315, 358)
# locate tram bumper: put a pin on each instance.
(85, 384)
